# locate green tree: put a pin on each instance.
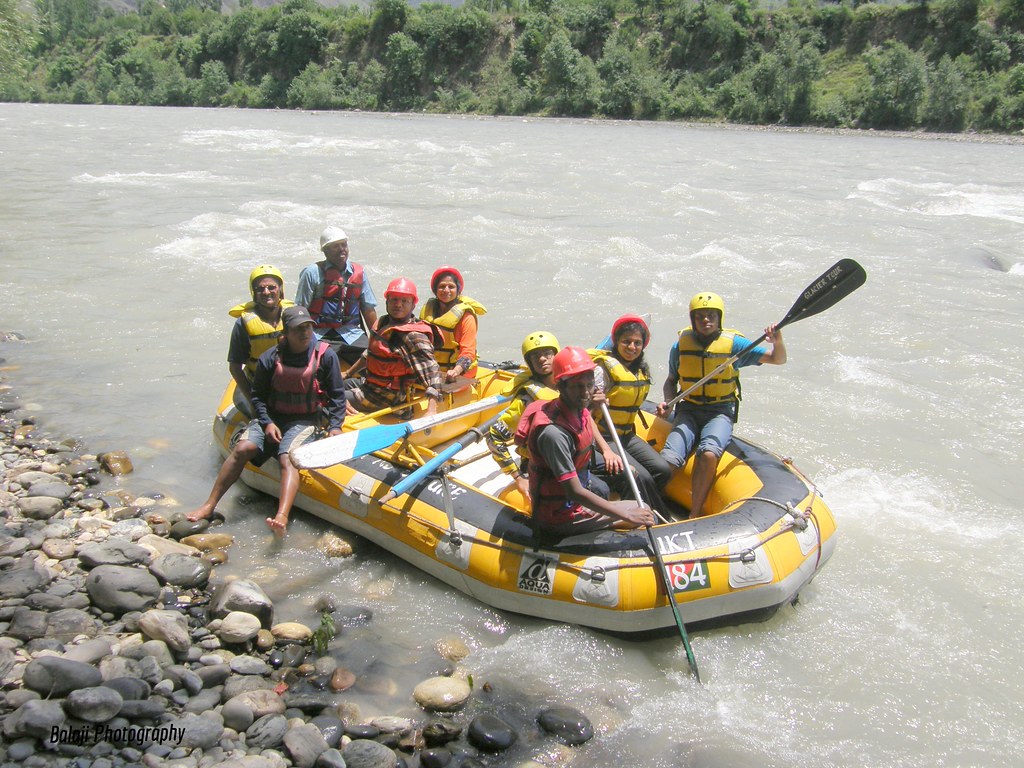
(948, 96)
(15, 32)
(214, 85)
(403, 64)
(896, 90)
(300, 40)
(570, 80)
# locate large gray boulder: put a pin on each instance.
(120, 589)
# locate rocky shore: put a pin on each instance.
(121, 646)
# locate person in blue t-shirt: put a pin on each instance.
(703, 419)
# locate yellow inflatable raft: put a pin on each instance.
(768, 535)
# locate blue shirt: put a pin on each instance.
(311, 279)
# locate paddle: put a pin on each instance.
(836, 283)
(413, 478)
(360, 442)
(659, 562)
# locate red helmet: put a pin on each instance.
(571, 361)
(401, 286)
(627, 319)
(446, 270)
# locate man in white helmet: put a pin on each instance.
(338, 295)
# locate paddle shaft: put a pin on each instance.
(837, 282)
(414, 477)
(659, 562)
(667, 583)
(360, 442)
(625, 460)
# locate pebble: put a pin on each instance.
(490, 733)
(568, 725)
(442, 694)
(106, 618)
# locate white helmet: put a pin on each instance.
(332, 235)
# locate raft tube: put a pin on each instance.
(768, 534)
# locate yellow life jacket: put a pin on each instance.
(522, 390)
(626, 391)
(448, 353)
(262, 335)
(696, 362)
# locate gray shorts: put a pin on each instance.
(290, 432)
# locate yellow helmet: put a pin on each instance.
(708, 300)
(265, 270)
(540, 340)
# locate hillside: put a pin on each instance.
(949, 65)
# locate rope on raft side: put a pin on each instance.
(798, 521)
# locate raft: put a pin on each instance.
(768, 534)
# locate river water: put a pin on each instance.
(127, 233)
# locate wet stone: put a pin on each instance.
(362, 731)
(489, 733)
(249, 665)
(362, 753)
(342, 679)
(440, 733)
(185, 528)
(352, 616)
(245, 596)
(308, 703)
(442, 694)
(181, 570)
(436, 757)
(331, 727)
(568, 725)
(238, 627)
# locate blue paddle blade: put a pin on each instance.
(360, 442)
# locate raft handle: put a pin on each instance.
(747, 556)
(597, 574)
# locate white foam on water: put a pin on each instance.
(943, 199)
(147, 178)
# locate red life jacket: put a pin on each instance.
(551, 504)
(337, 300)
(385, 365)
(295, 391)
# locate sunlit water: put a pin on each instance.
(128, 233)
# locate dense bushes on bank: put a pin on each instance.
(943, 65)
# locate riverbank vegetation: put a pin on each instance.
(949, 65)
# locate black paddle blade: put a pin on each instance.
(836, 283)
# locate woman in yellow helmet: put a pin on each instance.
(704, 418)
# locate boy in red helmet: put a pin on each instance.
(559, 435)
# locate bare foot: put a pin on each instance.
(199, 514)
(278, 526)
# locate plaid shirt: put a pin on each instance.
(417, 350)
